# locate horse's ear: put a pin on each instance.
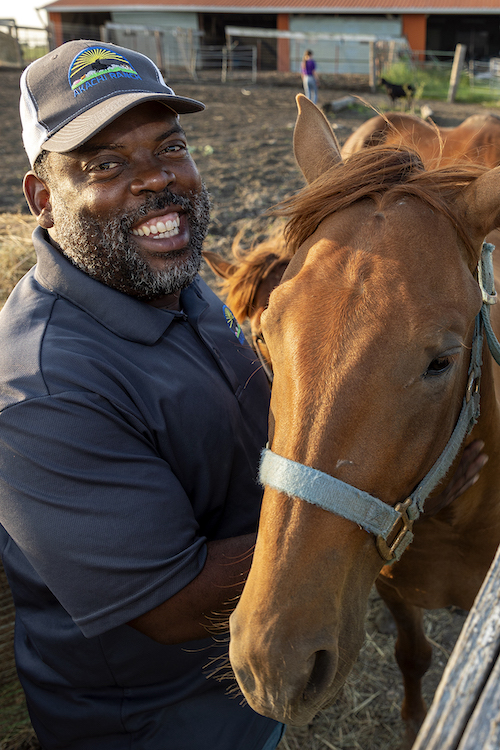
(314, 143)
(219, 266)
(479, 204)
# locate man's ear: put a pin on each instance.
(38, 196)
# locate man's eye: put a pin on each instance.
(106, 166)
(173, 148)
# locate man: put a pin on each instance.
(132, 417)
(133, 414)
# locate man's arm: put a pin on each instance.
(189, 614)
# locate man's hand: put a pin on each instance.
(466, 475)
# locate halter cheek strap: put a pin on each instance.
(486, 279)
(392, 526)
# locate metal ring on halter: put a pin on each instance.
(388, 548)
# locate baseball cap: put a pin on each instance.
(77, 89)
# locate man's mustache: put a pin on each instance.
(156, 202)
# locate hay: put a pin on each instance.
(16, 251)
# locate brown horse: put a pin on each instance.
(249, 280)
(372, 334)
(476, 140)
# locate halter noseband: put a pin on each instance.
(392, 526)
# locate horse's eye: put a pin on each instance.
(438, 366)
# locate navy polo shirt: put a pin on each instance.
(129, 436)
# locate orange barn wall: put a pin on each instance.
(56, 21)
(283, 45)
(415, 30)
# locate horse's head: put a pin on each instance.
(250, 278)
(370, 336)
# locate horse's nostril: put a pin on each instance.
(321, 676)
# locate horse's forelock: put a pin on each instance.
(251, 269)
(383, 174)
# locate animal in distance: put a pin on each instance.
(370, 334)
(396, 91)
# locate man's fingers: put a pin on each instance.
(475, 467)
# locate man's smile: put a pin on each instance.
(159, 227)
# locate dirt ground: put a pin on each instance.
(242, 144)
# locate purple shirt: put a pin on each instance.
(308, 67)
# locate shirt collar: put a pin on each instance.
(125, 316)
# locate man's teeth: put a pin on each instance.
(159, 230)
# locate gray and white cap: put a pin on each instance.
(77, 89)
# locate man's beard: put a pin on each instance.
(107, 251)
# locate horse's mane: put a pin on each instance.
(383, 174)
(252, 266)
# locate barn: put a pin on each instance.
(287, 26)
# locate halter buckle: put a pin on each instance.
(489, 299)
(472, 386)
(401, 528)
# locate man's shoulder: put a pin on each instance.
(23, 324)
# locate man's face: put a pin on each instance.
(129, 207)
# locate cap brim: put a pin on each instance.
(96, 118)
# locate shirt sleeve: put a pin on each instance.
(97, 512)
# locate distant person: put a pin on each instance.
(309, 76)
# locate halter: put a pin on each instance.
(392, 526)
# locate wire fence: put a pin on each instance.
(20, 45)
(180, 52)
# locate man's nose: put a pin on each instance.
(153, 176)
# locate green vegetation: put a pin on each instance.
(432, 81)
(31, 53)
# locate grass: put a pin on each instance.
(432, 81)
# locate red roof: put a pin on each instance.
(281, 6)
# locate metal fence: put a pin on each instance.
(230, 63)
(171, 48)
(19, 45)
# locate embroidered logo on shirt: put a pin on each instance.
(95, 65)
(233, 324)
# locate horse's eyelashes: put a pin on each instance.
(438, 366)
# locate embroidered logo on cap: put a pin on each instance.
(233, 324)
(95, 65)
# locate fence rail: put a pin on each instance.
(20, 45)
(232, 63)
(465, 713)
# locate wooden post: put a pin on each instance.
(464, 713)
(458, 62)
(392, 52)
(160, 60)
(372, 72)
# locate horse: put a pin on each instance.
(249, 280)
(376, 340)
(476, 139)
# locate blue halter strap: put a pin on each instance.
(392, 526)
